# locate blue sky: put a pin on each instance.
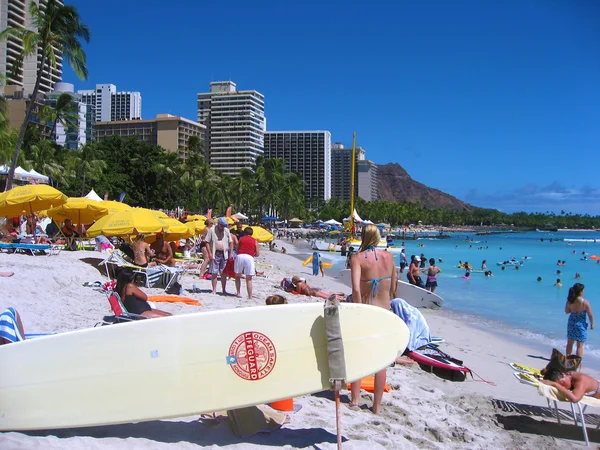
(496, 103)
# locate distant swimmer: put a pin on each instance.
(539, 279)
(488, 273)
(484, 265)
(577, 275)
(558, 283)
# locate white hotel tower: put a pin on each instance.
(235, 126)
(15, 13)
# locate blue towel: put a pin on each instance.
(416, 323)
(9, 329)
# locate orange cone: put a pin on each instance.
(283, 405)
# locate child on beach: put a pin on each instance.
(577, 325)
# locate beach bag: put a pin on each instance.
(287, 285)
(563, 363)
(175, 288)
(229, 271)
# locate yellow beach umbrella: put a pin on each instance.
(80, 210)
(176, 231)
(196, 226)
(29, 199)
(196, 217)
(131, 222)
(260, 234)
(113, 206)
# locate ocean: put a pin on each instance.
(513, 301)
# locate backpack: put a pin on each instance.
(175, 288)
(287, 285)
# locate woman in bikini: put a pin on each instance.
(374, 281)
(432, 272)
(141, 251)
(134, 299)
(573, 385)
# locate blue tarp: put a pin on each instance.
(269, 219)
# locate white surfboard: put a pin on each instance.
(186, 365)
(413, 295)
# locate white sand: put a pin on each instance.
(422, 411)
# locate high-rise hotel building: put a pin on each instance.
(105, 104)
(235, 126)
(15, 13)
(307, 153)
(341, 163)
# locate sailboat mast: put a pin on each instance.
(352, 186)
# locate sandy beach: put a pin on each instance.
(421, 411)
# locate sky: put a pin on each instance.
(494, 102)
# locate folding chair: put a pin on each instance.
(121, 313)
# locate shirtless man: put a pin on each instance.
(142, 253)
(374, 281)
(414, 272)
(70, 233)
(573, 385)
(163, 254)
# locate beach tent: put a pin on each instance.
(240, 216)
(93, 196)
(356, 217)
(332, 222)
(38, 176)
(23, 175)
(296, 220)
(367, 222)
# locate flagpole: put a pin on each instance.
(352, 186)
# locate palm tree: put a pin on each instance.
(291, 195)
(66, 112)
(90, 163)
(59, 30)
(44, 160)
(243, 189)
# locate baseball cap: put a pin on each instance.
(418, 258)
(223, 221)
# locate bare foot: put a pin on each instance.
(214, 292)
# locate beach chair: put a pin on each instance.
(121, 313)
(6, 247)
(552, 394)
(152, 276)
(32, 249)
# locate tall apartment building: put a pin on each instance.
(170, 132)
(367, 180)
(17, 101)
(71, 138)
(235, 126)
(341, 170)
(15, 13)
(105, 104)
(307, 153)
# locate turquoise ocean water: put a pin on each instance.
(513, 301)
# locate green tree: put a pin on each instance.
(65, 112)
(59, 27)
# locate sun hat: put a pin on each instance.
(418, 258)
(223, 221)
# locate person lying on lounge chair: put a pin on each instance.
(134, 299)
(302, 288)
(573, 385)
(11, 327)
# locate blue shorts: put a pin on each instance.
(218, 263)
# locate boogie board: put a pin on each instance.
(326, 264)
(187, 364)
(436, 358)
(411, 294)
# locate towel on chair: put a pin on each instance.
(9, 329)
(414, 320)
(552, 393)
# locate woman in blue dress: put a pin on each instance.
(579, 309)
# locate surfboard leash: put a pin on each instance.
(481, 379)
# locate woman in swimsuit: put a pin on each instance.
(577, 325)
(432, 271)
(374, 281)
(573, 385)
(134, 299)
(141, 251)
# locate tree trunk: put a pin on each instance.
(36, 88)
(83, 184)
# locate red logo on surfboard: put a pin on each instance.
(252, 356)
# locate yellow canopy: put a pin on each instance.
(113, 206)
(196, 217)
(80, 210)
(29, 199)
(195, 226)
(295, 219)
(131, 222)
(230, 221)
(260, 234)
(176, 231)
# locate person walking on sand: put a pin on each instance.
(220, 242)
(374, 281)
(577, 325)
(247, 248)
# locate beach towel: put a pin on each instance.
(174, 299)
(414, 320)
(246, 422)
(9, 328)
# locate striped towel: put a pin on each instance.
(9, 329)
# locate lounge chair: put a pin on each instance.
(121, 313)
(32, 249)
(552, 394)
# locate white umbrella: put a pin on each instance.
(239, 216)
